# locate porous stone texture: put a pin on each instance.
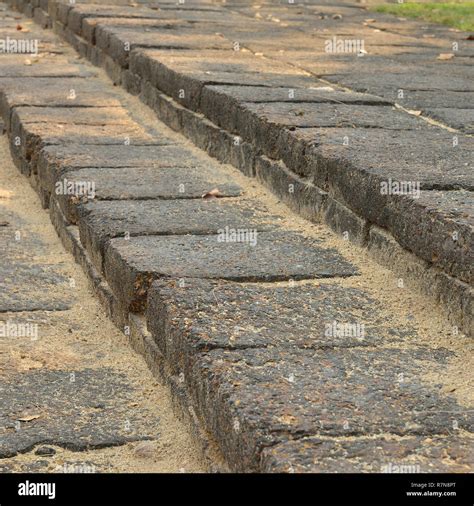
(290, 315)
(146, 183)
(263, 387)
(132, 264)
(101, 221)
(276, 337)
(328, 116)
(66, 397)
(54, 162)
(389, 454)
(19, 268)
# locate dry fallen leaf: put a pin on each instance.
(370, 20)
(28, 418)
(27, 61)
(445, 56)
(213, 194)
(19, 27)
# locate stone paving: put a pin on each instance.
(335, 138)
(74, 397)
(285, 342)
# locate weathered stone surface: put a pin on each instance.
(46, 67)
(376, 83)
(56, 160)
(119, 42)
(101, 221)
(268, 394)
(222, 104)
(19, 270)
(310, 315)
(429, 156)
(304, 115)
(52, 92)
(257, 386)
(172, 71)
(39, 295)
(265, 124)
(35, 136)
(74, 14)
(458, 297)
(462, 119)
(428, 99)
(88, 25)
(298, 193)
(345, 222)
(318, 93)
(389, 454)
(94, 116)
(131, 265)
(269, 131)
(423, 222)
(440, 229)
(66, 411)
(145, 183)
(258, 397)
(253, 113)
(42, 18)
(219, 143)
(136, 183)
(35, 127)
(163, 154)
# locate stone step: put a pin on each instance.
(287, 344)
(147, 183)
(383, 454)
(104, 220)
(328, 118)
(132, 264)
(272, 366)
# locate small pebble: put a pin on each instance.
(45, 451)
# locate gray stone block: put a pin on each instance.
(102, 220)
(131, 265)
